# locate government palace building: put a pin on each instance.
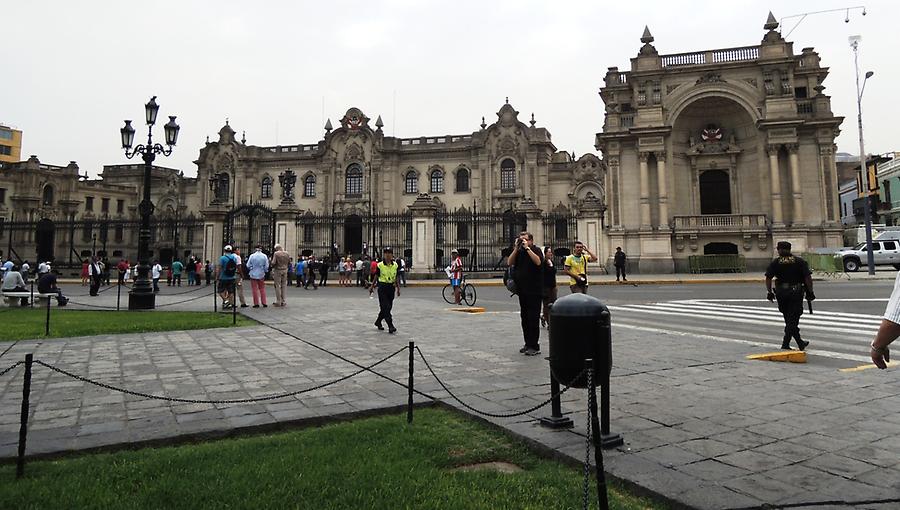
(713, 152)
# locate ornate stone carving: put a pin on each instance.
(711, 77)
(354, 153)
(751, 81)
(288, 181)
(354, 119)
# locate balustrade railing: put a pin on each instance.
(719, 222)
(711, 57)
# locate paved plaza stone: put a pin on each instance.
(702, 425)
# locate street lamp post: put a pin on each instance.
(141, 296)
(867, 213)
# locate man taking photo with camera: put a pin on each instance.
(528, 264)
(576, 267)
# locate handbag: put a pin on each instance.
(509, 281)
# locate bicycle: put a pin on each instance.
(466, 289)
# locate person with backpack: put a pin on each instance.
(527, 262)
(226, 276)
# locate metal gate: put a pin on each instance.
(248, 225)
(338, 235)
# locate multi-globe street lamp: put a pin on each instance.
(141, 296)
(864, 179)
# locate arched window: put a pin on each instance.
(462, 180)
(411, 182)
(309, 186)
(48, 195)
(266, 188)
(354, 180)
(437, 181)
(224, 187)
(508, 175)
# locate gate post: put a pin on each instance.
(589, 225)
(286, 228)
(534, 221)
(423, 240)
(213, 226)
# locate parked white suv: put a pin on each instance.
(884, 251)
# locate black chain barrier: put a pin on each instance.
(497, 415)
(8, 348)
(232, 401)
(12, 367)
(89, 305)
(342, 358)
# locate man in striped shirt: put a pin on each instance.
(889, 329)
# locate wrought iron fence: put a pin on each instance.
(66, 243)
(248, 225)
(484, 239)
(339, 234)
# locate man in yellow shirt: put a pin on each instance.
(576, 267)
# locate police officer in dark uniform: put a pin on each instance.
(793, 279)
(386, 275)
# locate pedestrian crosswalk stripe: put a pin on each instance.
(755, 308)
(773, 312)
(758, 318)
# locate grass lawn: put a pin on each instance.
(19, 324)
(372, 463)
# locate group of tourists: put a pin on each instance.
(193, 267)
(14, 279)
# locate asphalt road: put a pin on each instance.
(845, 315)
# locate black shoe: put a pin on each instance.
(265, 305)
(379, 326)
(786, 346)
(532, 352)
(243, 305)
(255, 306)
(802, 344)
(392, 329)
(523, 349)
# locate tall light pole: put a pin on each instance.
(141, 296)
(867, 213)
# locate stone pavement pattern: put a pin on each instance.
(703, 426)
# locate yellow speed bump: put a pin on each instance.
(864, 367)
(471, 309)
(785, 355)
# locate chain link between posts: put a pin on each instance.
(12, 367)
(199, 401)
(497, 415)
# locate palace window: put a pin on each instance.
(437, 181)
(462, 180)
(309, 233)
(5, 150)
(309, 186)
(266, 187)
(508, 175)
(411, 182)
(354, 180)
(87, 231)
(48, 195)
(120, 206)
(104, 205)
(2, 195)
(224, 185)
(89, 204)
(119, 233)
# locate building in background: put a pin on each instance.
(722, 151)
(10, 144)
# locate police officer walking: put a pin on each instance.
(793, 279)
(386, 275)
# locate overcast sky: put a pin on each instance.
(73, 70)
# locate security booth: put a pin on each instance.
(580, 330)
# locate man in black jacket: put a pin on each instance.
(528, 265)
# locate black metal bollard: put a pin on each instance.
(556, 420)
(23, 426)
(409, 404)
(234, 310)
(32, 292)
(602, 497)
(215, 300)
(118, 295)
(47, 324)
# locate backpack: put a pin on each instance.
(509, 280)
(231, 267)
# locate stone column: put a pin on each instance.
(663, 193)
(794, 162)
(645, 191)
(422, 211)
(775, 177)
(590, 230)
(286, 228)
(213, 224)
(534, 220)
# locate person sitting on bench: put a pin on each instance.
(13, 282)
(47, 285)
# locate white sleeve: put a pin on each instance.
(892, 312)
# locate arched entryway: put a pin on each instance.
(353, 234)
(720, 249)
(715, 192)
(44, 238)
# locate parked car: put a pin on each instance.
(884, 251)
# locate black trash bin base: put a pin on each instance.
(611, 440)
(557, 422)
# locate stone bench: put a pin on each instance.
(11, 298)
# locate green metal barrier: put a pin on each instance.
(824, 262)
(717, 264)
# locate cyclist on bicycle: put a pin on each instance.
(456, 276)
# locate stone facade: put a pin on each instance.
(723, 151)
